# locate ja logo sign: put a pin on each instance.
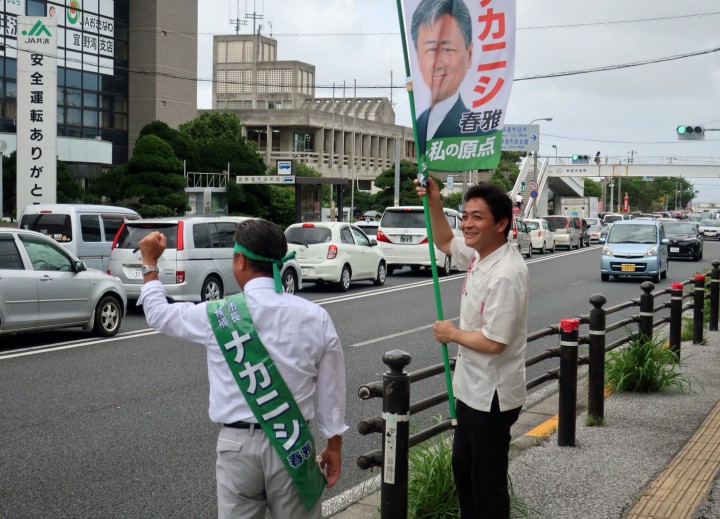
(73, 11)
(38, 30)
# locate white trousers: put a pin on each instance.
(251, 479)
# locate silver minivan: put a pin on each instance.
(197, 262)
(86, 230)
(402, 237)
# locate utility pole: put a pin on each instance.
(352, 148)
(254, 17)
(237, 22)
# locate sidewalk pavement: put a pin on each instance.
(657, 456)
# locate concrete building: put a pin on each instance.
(340, 136)
(121, 65)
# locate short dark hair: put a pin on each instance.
(497, 200)
(263, 238)
(430, 10)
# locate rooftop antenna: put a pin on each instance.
(237, 22)
(255, 17)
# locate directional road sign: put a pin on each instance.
(533, 194)
(521, 137)
(264, 179)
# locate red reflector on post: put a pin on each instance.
(676, 286)
(569, 325)
(699, 277)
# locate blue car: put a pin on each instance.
(635, 248)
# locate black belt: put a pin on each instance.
(241, 425)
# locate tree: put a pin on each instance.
(110, 185)
(155, 177)
(592, 188)
(184, 147)
(386, 182)
(213, 126)
(453, 200)
(69, 190)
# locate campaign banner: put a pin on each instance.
(462, 60)
(36, 111)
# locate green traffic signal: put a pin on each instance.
(682, 130)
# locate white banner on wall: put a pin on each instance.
(36, 111)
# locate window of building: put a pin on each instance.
(121, 122)
(35, 8)
(91, 81)
(90, 100)
(10, 69)
(90, 118)
(73, 97)
(221, 56)
(73, 117)
(73, 78)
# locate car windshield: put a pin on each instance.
(680, 228)
(710, 223)
(131, 234)
(308, 235)
(556, 221)
(532, 226)
(633, 234)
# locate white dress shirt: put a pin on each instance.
(495, 301)
(438, 113)
(298, 334)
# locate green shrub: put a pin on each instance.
(644, 366)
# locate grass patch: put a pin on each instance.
(594, 421)
(644, 366)
(431, 485)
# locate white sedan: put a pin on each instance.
(709, 229)
(543, 239)
(337, 253)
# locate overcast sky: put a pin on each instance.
(631, 110)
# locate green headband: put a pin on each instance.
(275, 263)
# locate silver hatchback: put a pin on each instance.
(43, 286)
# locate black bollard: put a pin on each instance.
(647, 305)
(396, 434)
(698, 308)
(676, 303)
(569, 330)
(714, 295)
(596, 368)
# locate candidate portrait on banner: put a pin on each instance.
(461, 55)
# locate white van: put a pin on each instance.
(86, 230)
(402, 237)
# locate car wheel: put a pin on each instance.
(605, 277)
(664, 273)
(211, 290)
(529, 253)
(553, 247)
(445, 269)
(289, 281)
(344, 284)
(380, 279)
(108, 316)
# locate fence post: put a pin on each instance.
(714, 295)
(647, 305)
(596, 371)
(396, 434)
(569, 330)
(698, 307)
(676, 303)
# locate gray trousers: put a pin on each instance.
(251, 478)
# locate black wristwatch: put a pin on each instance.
(147, 269)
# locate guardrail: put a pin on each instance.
(394, 389)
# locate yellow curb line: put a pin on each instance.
(545, 429)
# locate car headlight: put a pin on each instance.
(607, 251)
(651, 251)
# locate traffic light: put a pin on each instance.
(690, 133)
(522, 186)
(580, 159)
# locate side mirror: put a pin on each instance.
(80, 266)
(373, 242)
(601, 239)
(665, 241)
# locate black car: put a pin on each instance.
(685, 240)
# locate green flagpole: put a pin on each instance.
(422, 167)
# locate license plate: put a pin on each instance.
(674, 249)
(627, 267)
(405, 238)
(135, 274)
(305, 272)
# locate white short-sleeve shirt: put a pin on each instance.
(494, 301)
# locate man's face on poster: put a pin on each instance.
(444, 59)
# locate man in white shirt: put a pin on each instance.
(301, 341)
(489, 381)
(442, 33)
(518, 200)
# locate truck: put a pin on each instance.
(582, 206)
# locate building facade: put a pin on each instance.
(121, 65)
(340, 136)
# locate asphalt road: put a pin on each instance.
(118, 428)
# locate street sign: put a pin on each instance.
(450, 182)
(521, 137)
(648, 179)
(285, 167)
(533, 185)
(533, 194)
(264, 179)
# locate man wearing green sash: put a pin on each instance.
(268, 352)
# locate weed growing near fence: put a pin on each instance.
(431, 486)
(644, 366)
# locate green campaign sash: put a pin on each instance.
(266, 393)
